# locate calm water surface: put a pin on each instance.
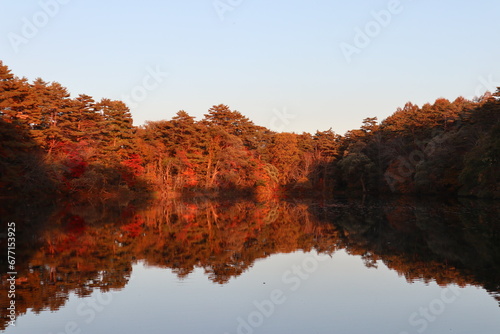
(372, 266)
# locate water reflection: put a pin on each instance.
(80, 249)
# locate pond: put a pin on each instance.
(370, 265)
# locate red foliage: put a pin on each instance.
(134, 163)
(134, 168)
(190, 177)
(134, 228)
(76, 225)
(76, 164)
(190, 213)
(74, 161)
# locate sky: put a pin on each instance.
(289, 65)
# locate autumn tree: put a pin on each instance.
(235, 124)
(116, 128)
(53, 115)
(88, 120)
(285, 156)
(327, 146)
(13, 93)
(23, 171)
(404, 120)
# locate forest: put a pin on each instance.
(55, 146)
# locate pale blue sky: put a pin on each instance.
(265, 58)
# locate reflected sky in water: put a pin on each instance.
(325, 295)
(399, 267)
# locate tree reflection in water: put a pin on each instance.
(79, 249)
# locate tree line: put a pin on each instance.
(52, 144)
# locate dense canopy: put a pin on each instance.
(54, 145)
